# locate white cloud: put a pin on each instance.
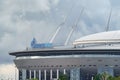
(27, 5)
(7, 71)
(55, 2)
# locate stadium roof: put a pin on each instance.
(102, 37)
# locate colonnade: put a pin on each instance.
(24, 72)
(75, 73)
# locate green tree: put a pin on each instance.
(63, 77)
(116, 78)
(111, 78)
(97, 77)
(105, 76)
(34, 79)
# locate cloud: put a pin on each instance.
(27, 5)
(16, 32)
(8, 71)
(115, 3)
(21, 20)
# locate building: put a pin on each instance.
(89, 55)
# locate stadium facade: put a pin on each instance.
(89, 55)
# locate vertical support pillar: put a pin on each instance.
(108, 70)
(51, 74)
(44, 74)
(57, 74)
(64, 71)
(39, 74)
(92, 78)
(23, 74)
(30, 74)
(16, 73)
(75, 74)
(34, 74)
(20, 74)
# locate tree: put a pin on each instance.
(105, 76)
(97, 77)
(111, 78)
(34, 79)
(116, 78)
(63, 77)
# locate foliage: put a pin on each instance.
(116, 78)
(105, 76)
(97, 77)
(34, 79)
(63, 77)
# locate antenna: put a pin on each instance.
(108, 23)
(73, 28)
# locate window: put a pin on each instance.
(68, 65)
(90, 65)
(115, 60)
(83, 65)
(116, 65)
(106, 65)
(60, 65)
(99, 60)
(94, 65)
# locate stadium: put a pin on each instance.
(88, 56)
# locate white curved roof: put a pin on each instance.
(102, 37)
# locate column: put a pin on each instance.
(23, 74)
(51, 74)
(57, 74)
(64, 71)
(75, 74)
(44, 74)
(30, 74)
(34, 74)
(16, 73)
(39, 74)
(92, 78)
(20, 75)
(108, 70)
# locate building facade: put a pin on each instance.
(90, 55)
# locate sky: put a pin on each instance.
(21, 20)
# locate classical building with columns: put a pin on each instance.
(88, 56)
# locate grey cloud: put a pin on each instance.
(115, 3)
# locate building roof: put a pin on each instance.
(103, 41)
(102, 37)
(60, 52)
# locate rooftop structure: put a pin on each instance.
(101, 40)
